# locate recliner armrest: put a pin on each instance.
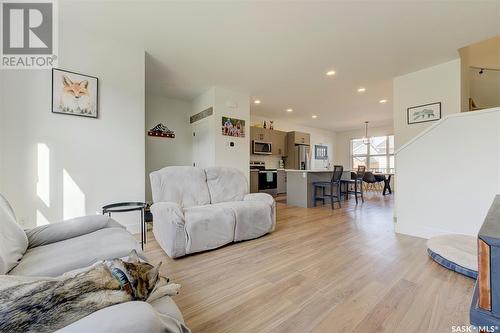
(171, 209)
(79, 226)
(267, 198)
(169, 228)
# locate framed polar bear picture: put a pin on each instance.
(424, 113)
(74, 93)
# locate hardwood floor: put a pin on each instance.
(320, 271)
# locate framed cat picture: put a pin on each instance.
(74, 93)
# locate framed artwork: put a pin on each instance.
(74, 94)
(424, 113)
(233, 127)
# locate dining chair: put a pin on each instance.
(333, 184)
(380, 180)
(356, 183)
(369, 180)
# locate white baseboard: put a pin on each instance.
(421, 231)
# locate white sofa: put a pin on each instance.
(56, 248)
(201, 209)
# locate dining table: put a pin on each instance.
(387, 181)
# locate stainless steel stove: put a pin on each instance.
(268, 178)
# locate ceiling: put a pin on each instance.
(278, 51)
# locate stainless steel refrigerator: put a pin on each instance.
(300, 160)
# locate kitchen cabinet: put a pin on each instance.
(254, 181)
(299, 138)
(260, 134)
(277, 139)
(297, 142)
(281, 186)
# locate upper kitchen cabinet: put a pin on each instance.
(278, 139)
(299, 138)
(259, 134)
(275, 137)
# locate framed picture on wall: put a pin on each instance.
(321, 152)
(424, 113)
(74, 93)
(233, 127)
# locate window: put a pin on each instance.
(377, 156)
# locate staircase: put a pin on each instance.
(448, 175)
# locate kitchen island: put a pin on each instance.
(299, 188)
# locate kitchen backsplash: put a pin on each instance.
(272, 161)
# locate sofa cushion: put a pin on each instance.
(137, 317)
(57, 258)
(184, 185)
(253, 218)
(13, 239)
(59, 231)
(226, 184)
(208, 227)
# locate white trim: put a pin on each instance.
(445, 118)
(422, 231)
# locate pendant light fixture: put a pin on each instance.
(366, 139)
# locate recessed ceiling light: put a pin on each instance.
(257, 101)
(330, 73)
(314, 116)
(382, 101)
(361, 89)
(289, 110)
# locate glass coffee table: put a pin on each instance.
(122, 207)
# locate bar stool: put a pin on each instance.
(357, 183)
(334, 184)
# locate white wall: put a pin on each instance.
(484, 54)
(230, 103)
(449, 175)
(80, 164)
(485, 88)
(318, 136)
(204, 156)
(343, 142)
(439, 83)
(162, 152)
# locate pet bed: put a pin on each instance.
(455, 252)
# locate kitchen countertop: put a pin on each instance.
(299, 185)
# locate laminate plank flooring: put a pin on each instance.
(320, 271)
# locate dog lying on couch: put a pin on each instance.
(31, 304)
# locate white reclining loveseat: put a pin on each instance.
(198, 209)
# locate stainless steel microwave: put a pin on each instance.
(261, 148)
